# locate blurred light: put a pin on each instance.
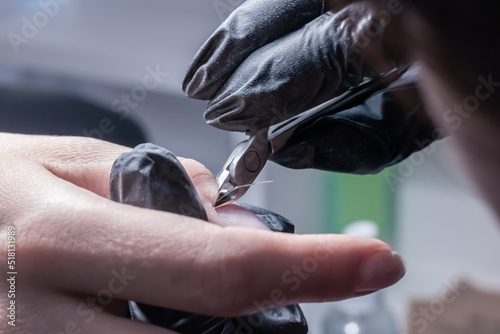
(351, 328)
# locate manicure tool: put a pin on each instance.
(250, 156)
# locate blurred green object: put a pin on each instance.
(352, 198)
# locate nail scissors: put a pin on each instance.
(250, 156)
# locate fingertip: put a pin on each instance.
(197, 84)
(238, 109)
(379, 271)
(329, 268)
(205, 76)
(258, 21)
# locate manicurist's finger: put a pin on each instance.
(321, 61)
(254, 24)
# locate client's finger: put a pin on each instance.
(85, 162)
(176, 262)
(206, 186)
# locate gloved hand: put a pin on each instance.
(271, 60)
(152, 177)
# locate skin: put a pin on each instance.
(70, 238)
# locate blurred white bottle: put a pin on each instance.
(362, 315)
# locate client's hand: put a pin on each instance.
(79, 256)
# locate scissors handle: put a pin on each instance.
(242, 168)
(279, 134)
(253, 155)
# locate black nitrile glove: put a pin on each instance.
(271, 60)
(152, 177)
(378, 133)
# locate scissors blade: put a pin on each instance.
(242, 168)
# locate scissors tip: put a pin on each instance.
(222, 199)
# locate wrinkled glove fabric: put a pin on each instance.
(256, 77)
(152, 177)
(381, 131)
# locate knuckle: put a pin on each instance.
(225, 279)
(197, 172)
(44, 234)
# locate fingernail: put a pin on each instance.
(380, 271)
(234, 215)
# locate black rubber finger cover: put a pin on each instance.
(152, 177)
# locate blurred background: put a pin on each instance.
(113, 70)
